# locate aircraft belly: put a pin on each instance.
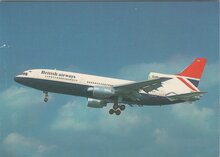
(56, 86)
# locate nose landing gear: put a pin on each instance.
(45, 96)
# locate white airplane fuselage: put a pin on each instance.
(77, 84)
(158, 89)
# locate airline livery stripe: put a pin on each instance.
(187, 84)
(194, 82)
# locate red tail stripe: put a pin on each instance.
(186, 83)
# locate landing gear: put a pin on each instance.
(122, 107)
(45, 99)
(45, 96)
(117, 112)
(111, 111)
(117, 109)
(115, 106)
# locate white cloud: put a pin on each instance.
(15, 138)
(19, 145)
(140, 71)
(20, 97)
(194, 116)
(18, 104)
(160, 135)
(69, 117)
(127, 122)
(211, 76)
(77, 116)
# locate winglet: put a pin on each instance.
(195, 69)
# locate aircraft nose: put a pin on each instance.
(17, 79)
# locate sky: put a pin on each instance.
(122, 40)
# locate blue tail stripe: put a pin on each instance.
(194, 82)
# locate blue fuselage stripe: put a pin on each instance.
(194, 82)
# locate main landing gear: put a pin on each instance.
(45, 96)
(117, 109)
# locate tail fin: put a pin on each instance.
(194, 71)
(185, 82)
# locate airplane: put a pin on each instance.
(158, 89)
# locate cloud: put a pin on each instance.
(129, 121)
(19, 97)
(140, 71)
(2, 46)
(16, 144)
(210, 77)
(136, 131)
(71, 116)
(21, 108)
(76, 116)
(198, 118)
(160, 136)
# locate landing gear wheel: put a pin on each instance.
(111, 111)
(117, 112)
(45, 96)
(45, 99)
(122, 107)
(115, 106)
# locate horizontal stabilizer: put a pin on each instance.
(186, 97)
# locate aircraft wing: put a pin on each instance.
(132, 89)
(149, 84)
(186, 97)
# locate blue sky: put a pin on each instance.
(123, 40)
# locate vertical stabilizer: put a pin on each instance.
(195, 69)
(186, 81)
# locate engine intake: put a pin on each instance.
(95, 103)
(101, 92)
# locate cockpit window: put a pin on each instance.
(24, 73)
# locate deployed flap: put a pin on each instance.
(186, 97)
(152, 87)
(147, 86)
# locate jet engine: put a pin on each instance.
(101, 92)
(95, 103)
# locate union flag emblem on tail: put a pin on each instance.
(193, 72)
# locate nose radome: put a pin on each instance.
(17, 79)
